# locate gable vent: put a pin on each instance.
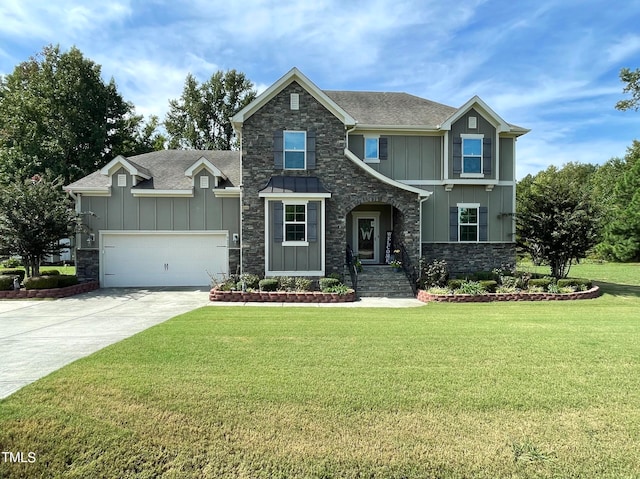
(473, 122)
(294, 101)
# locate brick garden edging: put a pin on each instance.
(426, 297)
(281, 297)
(54, 293)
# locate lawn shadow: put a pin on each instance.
(618, 289)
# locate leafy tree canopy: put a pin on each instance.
(34, 215)
(56, 113)
(201, 118)
(632, 80)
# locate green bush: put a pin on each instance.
(11, 263)
(6, 282)
(268, 284)
(433, 274)
(540, 283)
(489, 285)
(286, 283)
(302, 284)
(483, 276)
(251, 281)
(576, 283)
(470, 287)
(41, 282)
(13, 272)
(455, 283)
(50, 272)
(65, 280)
(327, 283)
(338, 288)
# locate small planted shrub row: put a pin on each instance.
(6, 282)
(50, 281)
(252, 283)
(12, 273)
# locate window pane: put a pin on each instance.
(294, 159)
(371, 148)
(294, 232)
(472, 147)
(294, 140)
(468, 215)
(468, 233)
(471, 164)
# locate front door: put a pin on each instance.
(366, 236)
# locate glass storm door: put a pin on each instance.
(366, 238)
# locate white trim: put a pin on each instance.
(288, 196)
(375, 215)
(108, 169)
(445, 153)
(475, 206)
(303, 242)
(90, 190)
(284, 150)
(204, 182)
(472, 136)
(471, 182)
(472, 175)
(484, 109)
(163, 193)
(228, 192)
(364, 156)
(206, 164)
(385, 179)
(269, 273)
(296, 243)
(122, 180)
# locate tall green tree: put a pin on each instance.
(56, 113)
(34, 215)
(201, 117)
(555, 220)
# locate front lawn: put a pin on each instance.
(445, 390)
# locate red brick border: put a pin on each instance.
(281, 297)
(426, 297)
(54, 293)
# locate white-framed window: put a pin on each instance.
(122, 180)
(204, 182)
(472, 155)
(295, 150)
(468, 222)
(372, 149)
(295, 224)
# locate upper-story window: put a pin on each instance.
(371, 149)
(295, 150)
(472, 154)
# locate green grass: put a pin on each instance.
(448, 390)
(43, 269)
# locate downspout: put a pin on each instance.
(346, 135)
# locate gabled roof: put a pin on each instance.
(293, 75)
(166, 170)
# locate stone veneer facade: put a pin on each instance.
(349, 185)
(468, 258)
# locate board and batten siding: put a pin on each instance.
(123, 211)
(409, 157)
(483, 128)
(435, 213)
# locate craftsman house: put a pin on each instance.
(319, 172)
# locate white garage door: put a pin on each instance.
(162, 258)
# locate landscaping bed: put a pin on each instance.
(426, 296)
(281, 296)
(50, 293)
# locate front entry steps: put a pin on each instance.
(382, 281)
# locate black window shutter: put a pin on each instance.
(278, 221)
(312, 221)
(311, 150)
(278, 150)
(383, 148)
(453, 223)
(457, 156)
(483, 222)
(486, 156)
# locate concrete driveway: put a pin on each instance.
(39, 337)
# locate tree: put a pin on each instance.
(555, 221)
(201, 118)
(632, 79)
(56, 113)
(34, 215)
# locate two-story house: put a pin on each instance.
(318, 172)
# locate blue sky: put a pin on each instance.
(551, 66)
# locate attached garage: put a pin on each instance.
(162, 258)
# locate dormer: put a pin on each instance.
(204, 164)
(135, 171)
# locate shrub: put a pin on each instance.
(268, 284)
(302, 284)
(251, 281)
(470, 287)
(50, 272)
(11, 263)
(65, 280)
(326, 283)
(506, 289)
(540, 283)
(41, 282)
(337, 276)
(338, 288)
(509, 282)
(576, 283)
(455, 283)
(489, 285)
(6, 282)
(483, 276)
(439, 290)
(286, 283)
(13, 272)
(433, 274)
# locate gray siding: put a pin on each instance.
(295, 258)
(462, 127)
(435, 213)
(122, 211)
(507, 160)
(410, 157)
